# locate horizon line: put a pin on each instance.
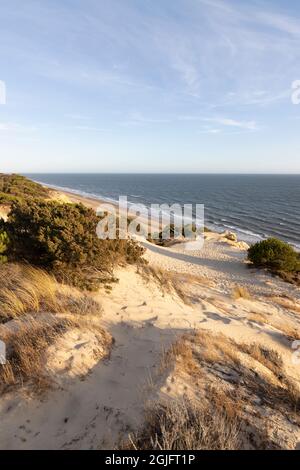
(151, 173)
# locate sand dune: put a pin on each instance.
(99, 407)
(96, 402)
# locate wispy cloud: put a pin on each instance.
(283, 23)
(211, 131)
(228, 122)
(87, 128)
(77, 117)
(15, 127)
(138, 119)
(201, 50)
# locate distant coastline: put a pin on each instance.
(255, 207)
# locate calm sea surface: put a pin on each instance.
(255, 206)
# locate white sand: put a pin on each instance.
(93, 410)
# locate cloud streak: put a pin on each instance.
(227, 122)
(13, 127)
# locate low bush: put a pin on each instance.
(275, 255)
(18, 188)
(174, 234)
(62, 239)
(4, 240)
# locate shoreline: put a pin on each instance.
(94, 202)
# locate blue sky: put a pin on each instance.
(149, 86)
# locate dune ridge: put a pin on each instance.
(99, 401)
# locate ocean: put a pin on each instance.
(254, 206)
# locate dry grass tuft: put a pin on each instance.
(240, 292)
(167, 281)
(290, 330)
(267, 357)
(182, 356)
(171, 281)
(231, 387)
(35, 312)
(26, 347)
(185, 425)
(24, 289)
(195, 279)
(288, 304)
(259, 317)
(27, 344)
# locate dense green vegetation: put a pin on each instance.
(62, 239)
(277, 256)
(18, 188)
(3, 246)
(274, 254)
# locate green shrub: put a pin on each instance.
(62, 239)
(275, 255)
(4, 240)
(18, 188)
(173, 233)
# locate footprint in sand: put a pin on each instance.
(217, 317)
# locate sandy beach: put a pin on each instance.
(220, 260)
(99, 205)
(98, 402)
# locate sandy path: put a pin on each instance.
(220, 262)
(92, 412)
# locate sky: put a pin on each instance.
(193, 86)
